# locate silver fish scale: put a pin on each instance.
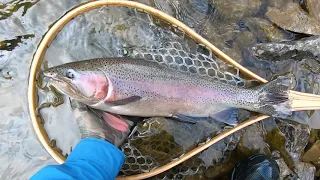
(173, 56)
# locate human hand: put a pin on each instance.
(100, 124)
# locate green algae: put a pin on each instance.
(7, 10)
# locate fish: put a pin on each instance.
(135, 87)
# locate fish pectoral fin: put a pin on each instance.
(125, 101)
(116, 121)
(228, 116)
(184, 118)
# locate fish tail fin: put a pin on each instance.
(274, 98)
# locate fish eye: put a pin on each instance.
(70, 73)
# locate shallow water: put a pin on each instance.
(109, 32)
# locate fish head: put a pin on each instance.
(81, 81)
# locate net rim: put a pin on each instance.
(85, 7)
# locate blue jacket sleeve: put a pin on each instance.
(91, 159)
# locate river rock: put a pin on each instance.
(235, 10)
(265, 30)
(294, 18)
(313, 7)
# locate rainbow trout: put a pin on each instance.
(142, 88)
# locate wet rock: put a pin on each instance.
(294, 18)
(279, 4)
(284, 169)
(265, 31)
(313, 7)
(229, 39)
(318, 173)
(252, 140)
(295, 141)
(314, 136)
(245, 39)
(301, 171)
(277, 141)
(305, 171)
(197, 11)
(313, 154)
(220, 34)
(284, 57)
(289, 140)
(235, 10)
(293, 50)
(222, 170)
(296, 136)
(210, 155)
(286, 138)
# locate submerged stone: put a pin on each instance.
(305, 171)
(252, 140)
(294, 18)
(265, 31)
(235, 10)
(313, 7)
(313, 154)
(284, 169)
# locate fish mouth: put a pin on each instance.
(59, 80)
(65, 86)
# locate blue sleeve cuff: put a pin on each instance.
(91, 159)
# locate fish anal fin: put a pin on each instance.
(184, 118)
(228, 116)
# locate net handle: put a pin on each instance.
(82, 8)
